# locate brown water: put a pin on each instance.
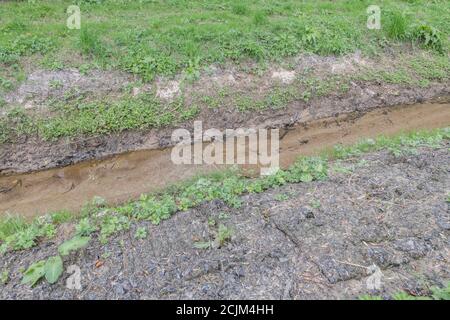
(126, 176)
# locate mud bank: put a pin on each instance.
(316, 244)
(127, 176)
(31, 153)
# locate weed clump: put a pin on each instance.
(17, 234)
(260, 18)
(396, 26)
(90, 44)
(24, 45)
(429, 37)
(240, 9)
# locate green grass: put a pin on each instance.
(94, 118)
(151, 38)
(398, 145)
(228, 186)
(11, 225)
(396, 26)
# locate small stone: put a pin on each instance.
(310, 215)
(307, 212)
(335, 271)
(414, 247)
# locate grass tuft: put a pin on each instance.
(396, 26)
(240, 9)
(11, 225)
(90, 43)
(260, 18)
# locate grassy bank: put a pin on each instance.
(151, 38)
(167, 38)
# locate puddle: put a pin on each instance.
(127, 176)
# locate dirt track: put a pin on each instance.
(315, 244)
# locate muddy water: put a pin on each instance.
(128, 175)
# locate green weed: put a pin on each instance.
(4, 277)
(224, 234)
(5, 84)
(141, 233)
(429, 37)
(24, 45)
(240, 9)
(281, 197)
(11, 225)
(396, 144)
(315, 204)
(34, 273)
(90, 43)
(62, 216)
(203, 244)
(17, 234)
(396, 26)
(437, 293)
(55, 84)
(85, 227)
(112, 224)
(441, 293)
(73, 244)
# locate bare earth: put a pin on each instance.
(389, 211)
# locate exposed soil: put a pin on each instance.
(389, 211)
(34, 154)
(128, 175)
(43, 85)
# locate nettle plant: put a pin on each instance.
(429, 36)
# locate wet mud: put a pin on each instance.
(128, 175)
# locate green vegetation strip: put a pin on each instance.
(92, 118)
(228, 186)
(151, 37)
